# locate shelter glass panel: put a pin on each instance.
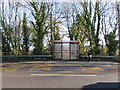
(74, 47)
(74, 55)
(66, 56)
(65, 46)
(57, 46)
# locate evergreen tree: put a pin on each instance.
(112, 43)
(25, 34)
(40, 16)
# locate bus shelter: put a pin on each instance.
(65, 50)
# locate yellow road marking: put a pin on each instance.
(93, 68)
(1, 68)
(14, 66)
(10, 70)
(34, 69)
(106, 65)
(111, 66)
(92, 72)
(45, 68)
(40, 69)
(23, 65)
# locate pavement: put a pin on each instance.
(57, 74)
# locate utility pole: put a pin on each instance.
(118, 11)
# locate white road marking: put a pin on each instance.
(68, 75)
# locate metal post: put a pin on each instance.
(118, 10)
(51, 27)
(70, 51)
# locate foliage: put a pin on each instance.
(25, 33)
(40, 17)
(112, 43)
(37, 25)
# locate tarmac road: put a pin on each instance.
(58, 74)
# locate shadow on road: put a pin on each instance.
(102, 86)
(97, 86)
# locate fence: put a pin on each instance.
(100, 58)
(23, 53)
(17, 58)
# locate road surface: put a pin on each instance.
(58, 74)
